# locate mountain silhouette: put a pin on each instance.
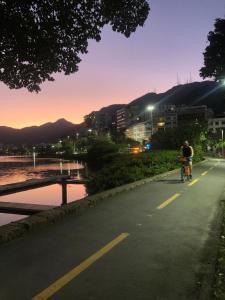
(48, 132)
(208, 93)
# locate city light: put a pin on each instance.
(161, 124)
(150, 107)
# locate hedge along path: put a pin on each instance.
(128, 168)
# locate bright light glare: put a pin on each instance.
(150, 108)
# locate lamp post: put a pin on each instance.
(151, 108)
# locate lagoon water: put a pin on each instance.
(20, 168)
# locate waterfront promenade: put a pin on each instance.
(155, 242)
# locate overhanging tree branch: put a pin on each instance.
(214, 55)
(42, 37)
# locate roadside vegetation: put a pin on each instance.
(110, 166)
(117, 169)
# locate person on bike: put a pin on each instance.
(188, 153)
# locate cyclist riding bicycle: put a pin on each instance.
(187, 153)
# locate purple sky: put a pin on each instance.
(117, 70)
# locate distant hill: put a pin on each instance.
(208, 93)
(110, 110)
(49, 132)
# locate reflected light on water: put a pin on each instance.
(7, 218)
(48, 195)
(18, 169)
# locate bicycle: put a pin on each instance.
(185, 169)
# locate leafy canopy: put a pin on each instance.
(214, 55)
(41, 37)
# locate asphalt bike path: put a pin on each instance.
(153, 242)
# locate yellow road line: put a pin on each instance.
(61, 282)
(168, 201)
(193, 182)
(204, 173)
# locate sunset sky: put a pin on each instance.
(118, 70)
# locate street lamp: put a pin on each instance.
(151, 108)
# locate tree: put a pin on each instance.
(173, 138)
(214, 55)
(101, 150)
(39, 38)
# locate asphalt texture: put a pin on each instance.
(169, 253)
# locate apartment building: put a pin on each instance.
(216, 124)
(164, 117)
(139, 132)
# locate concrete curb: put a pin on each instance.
(17, 229)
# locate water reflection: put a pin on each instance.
(7, 218)
(17, 169)
(48, 195)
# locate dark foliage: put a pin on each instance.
(100, 151)
(173, 138)
(39, 38)
(126, 168)
(214, 55)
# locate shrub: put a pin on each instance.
(120, 169)
(100, 152)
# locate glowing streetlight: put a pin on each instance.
(151, 108)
